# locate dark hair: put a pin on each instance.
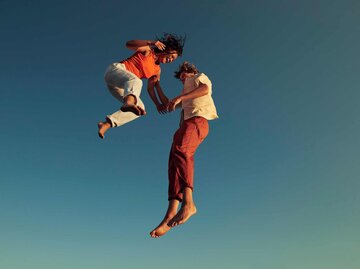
(186, 67)
(172, 42)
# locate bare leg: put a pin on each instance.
(130, 106)
(102, 128)
(163, 228)
(186, 211)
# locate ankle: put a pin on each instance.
(130, 100)
(188, 204)
(167, 218)
(105, 125)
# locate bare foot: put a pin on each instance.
(160, 230)
(186, 211)
(163, 228)
(143, 112)
(134, 109)
(102, 128)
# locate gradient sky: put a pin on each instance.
(276, 181)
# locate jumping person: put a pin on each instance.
(123, 79)
(197, 108)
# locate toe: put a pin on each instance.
(142, 111)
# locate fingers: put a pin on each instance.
(171, 106)
(162, 109)
(160, 45)
(173, 103)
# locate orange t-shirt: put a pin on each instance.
(142, 66)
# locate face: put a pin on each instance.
(184, 75)
(168, 57)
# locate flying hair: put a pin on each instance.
(172, 42)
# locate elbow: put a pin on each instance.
(129, 44)
(152, 81)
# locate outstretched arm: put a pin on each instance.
(162, 108)
(202, 90)
(164, 100)
(144, 46)
(152, 83)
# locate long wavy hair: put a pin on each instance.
(172, 42)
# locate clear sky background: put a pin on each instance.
(276, 181)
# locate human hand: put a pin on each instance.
(162, 109)
(173, 102)
(159, 45)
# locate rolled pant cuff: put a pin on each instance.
(175, 198)
(109, 120)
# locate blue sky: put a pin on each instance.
(276, 181)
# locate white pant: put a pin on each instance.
(121, 83)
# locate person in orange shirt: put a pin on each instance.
(123, 79)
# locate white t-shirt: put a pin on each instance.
(202, 106)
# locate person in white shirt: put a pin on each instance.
(197, 108)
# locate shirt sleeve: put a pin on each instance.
(202, 78)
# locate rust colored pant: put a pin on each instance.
(181, 161)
